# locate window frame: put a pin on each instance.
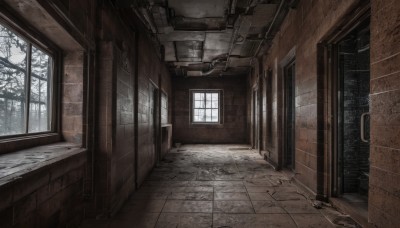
(220, 106)
(40, 42)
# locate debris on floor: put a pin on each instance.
(221, 186)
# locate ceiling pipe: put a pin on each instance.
(207, 73)
(269, 30)
(214, 66)
(190, 73)
(231, 44)
(236, 30)
(218, 60)
(217, 66)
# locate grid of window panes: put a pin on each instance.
(24, 93)
(206, 107)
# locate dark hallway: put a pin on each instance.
(199, 113)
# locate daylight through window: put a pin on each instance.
(206, 107)
(25, 85)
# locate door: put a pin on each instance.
(289, 125)
(353, 86)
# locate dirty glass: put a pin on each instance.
(39, 111)
(14, 90)
(206, 107)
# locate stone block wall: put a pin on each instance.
(115, 148)
(106, 66)
(51, 196)
(72, 85)
(384, 188)
(128, 63)
(301, 31)
(151, 73)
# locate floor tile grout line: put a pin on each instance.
(247, 192)
(212, 208)
(294, 221)
(159, 215)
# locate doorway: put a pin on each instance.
(351, 156)
(289, 115)
(255, 120)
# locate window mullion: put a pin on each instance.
(28, 87)
(205, 107)
(50, 93)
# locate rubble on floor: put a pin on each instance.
(221, 186)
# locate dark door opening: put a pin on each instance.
(289, 121)
(353, 86)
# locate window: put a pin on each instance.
(206, 106)
(164, 108)
(25, 85)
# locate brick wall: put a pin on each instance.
(115, 150)
(51, 196)
(73, 97)
(151, 73)
(115, 155)
(233, 128)
(301, 31)
(384, 198)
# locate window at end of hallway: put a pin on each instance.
(26, 78)
(206, 106)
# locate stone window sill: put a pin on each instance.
(206, 125)
(14, 166)
(19, 143)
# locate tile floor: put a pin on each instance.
(217, 186)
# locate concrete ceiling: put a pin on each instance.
(208, 37)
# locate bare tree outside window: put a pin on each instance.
(25, 86)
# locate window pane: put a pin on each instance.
(164, 108)
(208, 103)
(199, 104)
(215, 96)
(214, 104)
(208, 100)
(195, 118)
(12, 82)
(195, 115)
(208, 96)
(208, 115)
(39, 108)
(198, 115)
(196, 96)
(214, 115)
(199, 96)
